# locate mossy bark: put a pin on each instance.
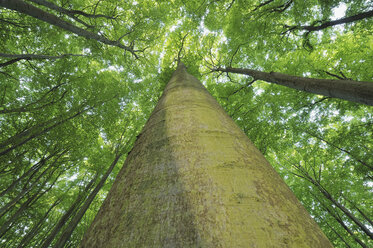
(193, 179)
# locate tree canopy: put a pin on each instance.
(79, 78)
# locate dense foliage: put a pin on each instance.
(71, 107)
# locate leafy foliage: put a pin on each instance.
(63, 121)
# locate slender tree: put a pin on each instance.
(305, 175)
(75, 220)
(194, 179)
(65, 217)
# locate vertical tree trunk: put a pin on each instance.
(193, 179)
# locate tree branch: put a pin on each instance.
(181, 48)
(262, 4)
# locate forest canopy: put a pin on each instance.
(79, 79)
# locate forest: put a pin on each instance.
(80, 78)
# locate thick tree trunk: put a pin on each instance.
(355, 91)
(193, 179)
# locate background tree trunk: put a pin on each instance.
(29, 9)
(193, 179)
(355, 91)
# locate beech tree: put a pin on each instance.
(197, 181)
(79, 79)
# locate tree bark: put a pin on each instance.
(28, 9)
(193, 179)
(355, 91)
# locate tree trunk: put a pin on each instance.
(71, 13)
(33, 170)
(24, 136)
(30, 201)
(193, 179)
(40, 103)
(359, 210)
(355, 91)
(344, 20)
(31, 10)
(350, 154)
